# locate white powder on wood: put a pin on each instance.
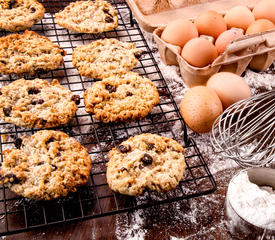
(254, 204)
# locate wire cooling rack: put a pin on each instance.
(95, 199)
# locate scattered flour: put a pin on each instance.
(132, 231)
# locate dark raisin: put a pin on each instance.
(138, 55)
(76, 99)
(109, 19)
(2, 61)
(42, 121)
(58, 154)
(110, 88)
(12, 178)
(129, 94)
(63, 53)
(33, 90)
(11, 3)
(7, 111)
(150, 146)
(32, 10)
(18, 143)
(39, 101)
(124, 169)
(50, 140)
(147, 159)
(106, 10)
(54, 167)
(123, 148)
(140, 166)
(0, 92)
(40, 163)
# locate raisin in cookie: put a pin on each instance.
(36, 103)
(18, 15)
(103, 58)
(121, 98)
(27, 53)
(46, 165)
(88, 17)
(145, 161)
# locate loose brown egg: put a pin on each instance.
(225, 38)
(199, 52)
(179, 32)
(260, 25)
(199, 107)
(210, 23)
(239, 17)
(265, 9)
(229, 87)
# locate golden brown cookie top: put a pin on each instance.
(46, 165)
(121, 98)
(145, 161)
(36, 103)
(105, 57)
(28, 53)
(88, 17)
(18, 15)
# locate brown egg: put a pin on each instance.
(239, 17)
(260, 25)
(265, 9)
(199, 107)
(179, 32)
(258, 62)
(229, 87)
(225, 38)
(199, 52)
(210, 23)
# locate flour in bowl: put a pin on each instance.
(254, 204)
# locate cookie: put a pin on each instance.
(28, 53)
(88, 17)
(145, 161)
(36, 103)
(18, 15)
(46, 165)
(103, 58)
(121, 98)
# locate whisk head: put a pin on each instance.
(245, 132)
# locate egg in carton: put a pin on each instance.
(256, 50)
(152, 14)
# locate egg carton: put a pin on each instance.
(256, 50)
(152, 14)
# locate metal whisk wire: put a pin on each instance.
(245, 132)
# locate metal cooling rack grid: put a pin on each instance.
(95, 199)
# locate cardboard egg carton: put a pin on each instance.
(258, 50)
(152, 14)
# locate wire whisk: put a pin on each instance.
(245, 132)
